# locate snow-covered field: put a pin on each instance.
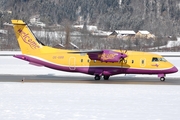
(60, 101)
(69, 101)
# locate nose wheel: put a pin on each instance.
(162, 78)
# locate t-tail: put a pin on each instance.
(26, 39)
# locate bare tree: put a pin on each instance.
(67, 26)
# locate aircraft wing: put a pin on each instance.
(103, 55)
(87, 51)
(171, 55)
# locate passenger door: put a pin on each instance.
(72, 65)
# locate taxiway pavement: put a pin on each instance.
(88, 79)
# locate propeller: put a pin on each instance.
(122, 59)
(123, 55)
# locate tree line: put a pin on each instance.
(161, 17)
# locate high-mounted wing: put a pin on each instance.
(103, 55)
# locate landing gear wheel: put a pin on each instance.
(106, 77)
(97, 77)
(162, 79)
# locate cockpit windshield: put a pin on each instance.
(162, 59)
(155, 59)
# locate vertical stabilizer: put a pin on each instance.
(26, 39)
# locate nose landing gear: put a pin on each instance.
(162, 79)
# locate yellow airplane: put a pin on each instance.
(99, 63)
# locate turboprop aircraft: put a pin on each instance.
(100, 63)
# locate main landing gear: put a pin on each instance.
(106, 77)
(98, 77)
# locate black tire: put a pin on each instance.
(97, 77)
(162, 79)
(106, 77)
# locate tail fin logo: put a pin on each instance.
(28, 40)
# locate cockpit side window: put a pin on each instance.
(155, 59)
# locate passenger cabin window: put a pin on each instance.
(88, 60)
(142, 61)
(155, 59)
(132, 61)
(81, 60)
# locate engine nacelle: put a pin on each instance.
(107, 56)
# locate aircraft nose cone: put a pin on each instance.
(174, 69)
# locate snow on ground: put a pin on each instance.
(60, 101)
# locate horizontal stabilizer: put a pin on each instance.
(18, 22)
